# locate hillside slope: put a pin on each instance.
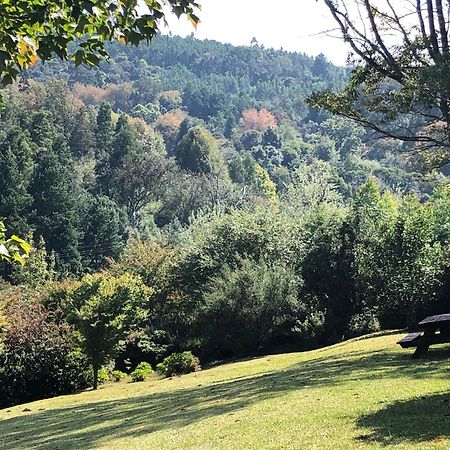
(361, 394)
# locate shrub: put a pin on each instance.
(178, 364)
(103, 375)
(117, 375)
(142, 372)
(39, 357)
(364, 323)
(250, 308)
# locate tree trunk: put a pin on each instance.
(95, 369)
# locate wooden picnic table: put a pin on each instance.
(436, 330)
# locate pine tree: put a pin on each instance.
(124, 142)
(15, 164)
(82, 139)
(103, 145)
(198, 152)
(55, 207)
(104, 131)
(104, 233)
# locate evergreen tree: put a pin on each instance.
(15, 163)
(103, 231)
(124, 141)
(55, 207)
(198, 152)
(104, 131)
(83, 139)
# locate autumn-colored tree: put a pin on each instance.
(169, 100)
(89, 94)
(168, 124)
(119, 95)
(261, 120)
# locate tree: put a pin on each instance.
(198, 152)
(261, 120)
(103, 233)
(56, 204)
(142, 178)
(248, 307)
(15, 167)
(104, 131)
(399, 86)
(413, 263)
(104, 308)
(312, 185)
(37, 29)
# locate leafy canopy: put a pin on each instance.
(399, 86)
(103, 309)
(41, 29)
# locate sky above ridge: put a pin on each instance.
(294, 25)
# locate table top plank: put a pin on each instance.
(435, 320)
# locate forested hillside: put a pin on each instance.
(184, 197)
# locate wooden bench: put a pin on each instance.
(436, 330)
(411, 340)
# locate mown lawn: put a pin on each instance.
(361, 394)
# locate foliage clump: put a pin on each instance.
(117, 375)
(39, 356)
(179, 364)
(142, 371)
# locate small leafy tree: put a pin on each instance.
(104, 309)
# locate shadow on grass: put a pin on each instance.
(89, 425)
(411, 421)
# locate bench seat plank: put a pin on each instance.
(410, 340)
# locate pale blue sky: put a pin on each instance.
(292, 24)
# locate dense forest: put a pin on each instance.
(184, 197)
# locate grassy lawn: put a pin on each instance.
(365, 393)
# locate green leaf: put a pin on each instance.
(4, 251)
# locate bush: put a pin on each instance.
(39, 357)
(142, 372)
(103, 375)
(249, 309)
(364, 323)
(117, 375)
(179, 364)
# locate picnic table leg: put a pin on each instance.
(445, 331)
(424, 345)
(421, 350)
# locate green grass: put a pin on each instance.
(365, 393)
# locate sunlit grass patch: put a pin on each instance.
(361, 394)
